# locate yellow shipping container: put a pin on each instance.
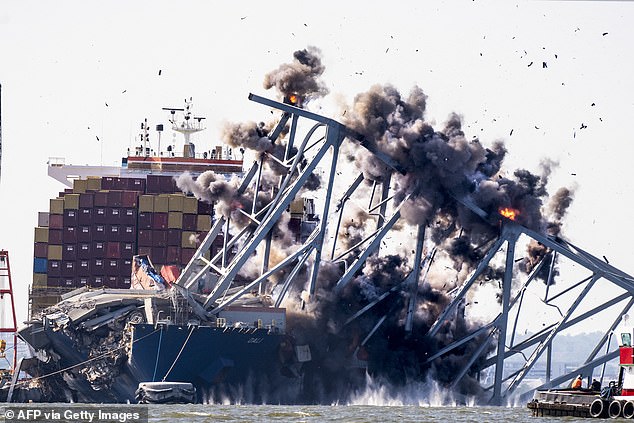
(93, 183)
(203, 222)
(54, 252)
(80, 186)
(176, 202)
(40, 280)
(56, 206)
(41, 234)
(175, 220)
(71, 202)
(189, 239)
(161, 203)
(146, 203)
(297, 206)
(190, 205)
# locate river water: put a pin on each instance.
(282, 413)
(345, 413)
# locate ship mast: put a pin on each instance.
(187, 126)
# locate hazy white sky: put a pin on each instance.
(532, 73)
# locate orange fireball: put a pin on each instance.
(509, 213)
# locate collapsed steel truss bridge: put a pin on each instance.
(320, 149)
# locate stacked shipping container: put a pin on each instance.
(91, 232)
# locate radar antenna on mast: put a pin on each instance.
(186, 125)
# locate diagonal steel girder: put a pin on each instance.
(264, 220)
(600, 270)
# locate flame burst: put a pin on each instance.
(509, 213)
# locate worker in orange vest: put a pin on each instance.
(576, 384)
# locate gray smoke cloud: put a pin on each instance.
(440, 166)
(301, 77)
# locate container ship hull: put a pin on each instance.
(98, 347)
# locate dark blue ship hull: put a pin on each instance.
(224, 362)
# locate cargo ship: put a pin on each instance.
(96, 330)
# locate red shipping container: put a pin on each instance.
(145, 220)
(99, 215)
(187, 254)
(53, 281)
(113, 250)
(115, 198)
(84, 250)
(153, 184)
(101, 197)
(112, 267)
(83, 268)
(86, 200)
(107, 182)
(70, 217)
(129, 198)
(168, 184)
(68, 282)
(99, 249)
(68, 268)
(84, 233)
(84, 216)
(159, 255)
(54, 268)
(125, 267)
(124, 282)
(128, 233)
(159, 221)
(69, 252)
(189, 222)
(40, 250)
(113, 215)
(136, 184)
(173, 255)
(145, 238)
(98, 266)
(128, 216)
(55, 221)
(120, 183)
(111, 282)
(84, 281)
(159, 239)
(174, 237)
(205, 208)
(99, 233)
(69, 236)
(114, 233)
(127, 250)
(145, 251)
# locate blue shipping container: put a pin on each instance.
(39, 265)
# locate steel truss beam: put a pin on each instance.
(240, 244)
(303, 158)
(505, 385)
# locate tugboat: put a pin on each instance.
(614, 400)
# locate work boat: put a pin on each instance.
(614, 400)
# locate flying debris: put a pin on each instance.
(355, 306)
